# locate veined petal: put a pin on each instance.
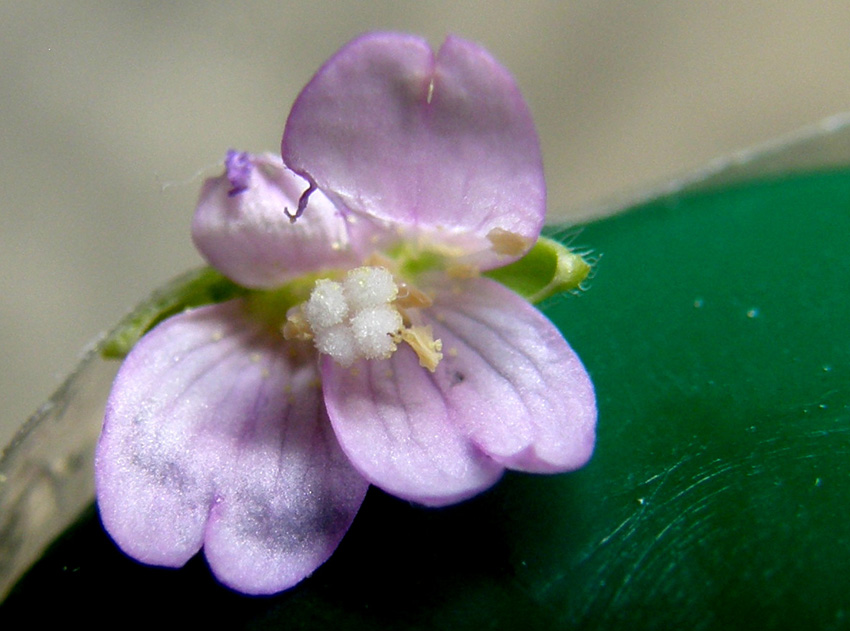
(242, 229)
(510, 380)
(442, 146)
(396, 427)
(215, 435)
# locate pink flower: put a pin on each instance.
(372, 351)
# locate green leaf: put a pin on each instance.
(193, 289)
(547, 269)
(717, 337)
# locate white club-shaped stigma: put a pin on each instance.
(356, 318)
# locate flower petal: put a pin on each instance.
(508, 387)
(394, 424)
(216, 436)
(242, 229)
(511, 380)
(443, 145)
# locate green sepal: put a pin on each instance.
(547, 269)
(194, 289)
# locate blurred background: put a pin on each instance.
(111, 114)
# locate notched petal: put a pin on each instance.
(441, 145)
(511, 380)
(281, 511)
(508, 392)
(214, 437)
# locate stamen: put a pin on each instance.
(409, 297)
(421, 340)
(507, 242)
(376, 259)
(462, 270)
(297, 327)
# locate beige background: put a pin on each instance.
(110, 112)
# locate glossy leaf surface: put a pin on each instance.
(717, 333)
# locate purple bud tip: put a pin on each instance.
(239, 167)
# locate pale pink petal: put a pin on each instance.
(441, 146)
(508, 386)
(216, 436)
(393, 422)
(242, 229)
(510, 379)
